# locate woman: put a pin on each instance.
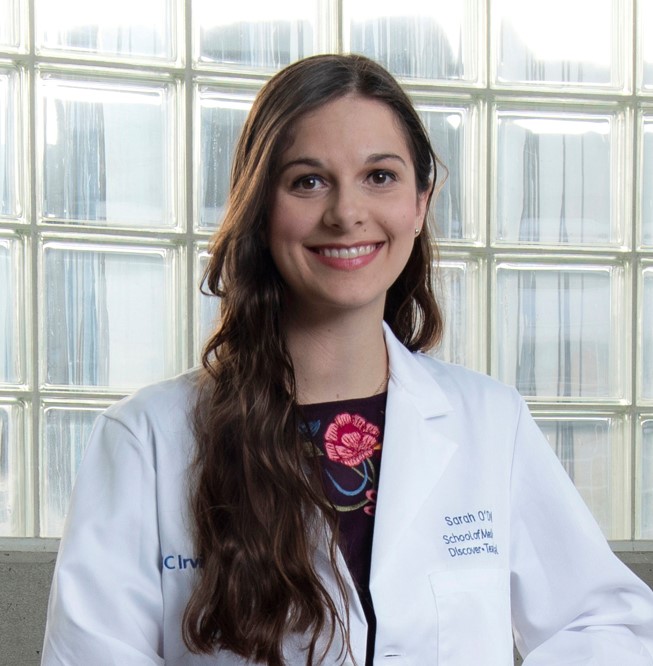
(226, 516)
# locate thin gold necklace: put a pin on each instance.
(384, 381)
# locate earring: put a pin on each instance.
(417, 230)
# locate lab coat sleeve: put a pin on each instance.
(105, 604)
(573, 601)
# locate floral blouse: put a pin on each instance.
(347, 436)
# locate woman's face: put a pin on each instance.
(345, 207)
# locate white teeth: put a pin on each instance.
(347, 252)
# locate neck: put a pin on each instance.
(337, 358)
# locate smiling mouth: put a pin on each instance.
(346, 252)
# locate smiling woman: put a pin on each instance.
(345, 210)
(321, 491)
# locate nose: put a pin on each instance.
(346, 208)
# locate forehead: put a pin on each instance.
(349, 122)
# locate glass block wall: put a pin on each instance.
(117, 123)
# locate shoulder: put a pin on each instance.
(161, 408)
(461, 386)
(457, 378)
(437, 387)
(475, 394)
(422, 373)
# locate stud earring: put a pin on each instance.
(417, 230)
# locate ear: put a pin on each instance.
(421, 210)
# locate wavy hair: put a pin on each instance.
(258, 512)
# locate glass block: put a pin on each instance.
(538, 42)
(222, 115)
(453, 133)
(457, 292)
(11, 148)
(109, 315)
(591, 451)
(254, 34)
(10, 28)
(65, 433)
(646, 333)
(207, 306)
(644, 522)
(558, 330)
(13, 481)
(122, 29)
(109, 152)
(644, 21)
(646, 183)
(12, 311)
(439, 40)
(558, 179)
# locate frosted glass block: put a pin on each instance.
(589, 450)
(558, 330)
(439, 40)
(65, 433)
(10, 23)
(11, 149)
(207, 307)
(110, 315)
(453, 133)
(538, 42)
(255, 34)
(646, 332)
(644, 23)
(457, 290)
(222, 115)
(556, 179)
(646, 183)
(12, 470)
(644, 525)
(12, 312)
(109, 152)
(121, 29)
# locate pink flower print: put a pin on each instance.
(350, 439)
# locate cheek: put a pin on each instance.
(277, 246)
(284, 223)
(283, 239)
(406, 217)
(276, 233)
(283, 247)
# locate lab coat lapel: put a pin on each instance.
(415, 453)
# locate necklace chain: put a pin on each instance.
(384, 381)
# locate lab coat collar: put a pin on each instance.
(409, 376)
(415, 451)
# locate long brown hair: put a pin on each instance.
(257, 513)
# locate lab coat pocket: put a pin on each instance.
(474, 626)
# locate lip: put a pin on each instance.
(346, 257)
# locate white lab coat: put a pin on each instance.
(478, 533)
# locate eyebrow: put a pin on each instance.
(380, 157)
(303, 161)
(317, 164)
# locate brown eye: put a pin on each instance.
(307, 183)
(381, 177)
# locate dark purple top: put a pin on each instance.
(347, 436)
